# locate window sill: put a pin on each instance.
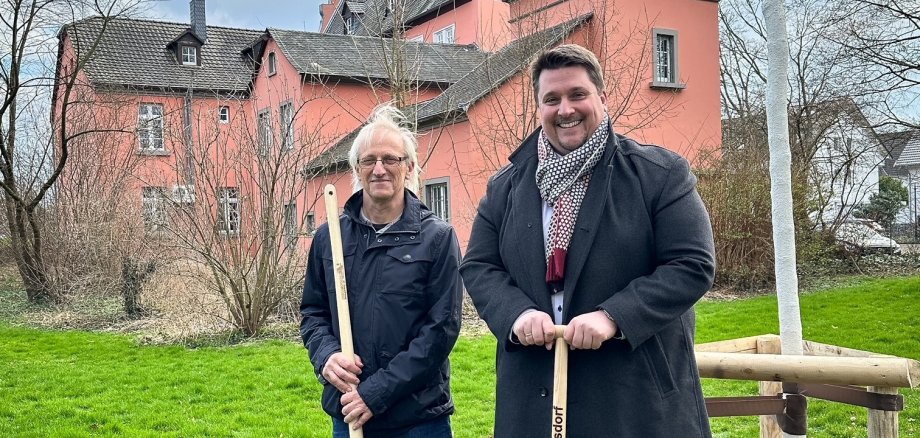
(668, 85)
(153, 152)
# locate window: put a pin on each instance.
(437, 197)
(311, 223)
(417, 39)
(290, 225)
(272, 68)
(665, 59)
(189, 55)
(351, 24)
(223, 114)
(153, 202)
(265, 132)
(287, 126)
(445, 36)
(150, 126)
(228, 210)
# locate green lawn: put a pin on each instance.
(55, 383)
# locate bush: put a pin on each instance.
(736, 190)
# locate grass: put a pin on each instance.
(73, 383)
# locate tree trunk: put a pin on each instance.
(27, 254)
(787, 285)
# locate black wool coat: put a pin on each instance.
(642, 250)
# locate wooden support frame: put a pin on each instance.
(817, 374)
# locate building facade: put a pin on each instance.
(249, 125)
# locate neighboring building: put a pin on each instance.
(842, 152)
(902, 161)
(197, 97)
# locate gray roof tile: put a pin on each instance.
(893, 144)
(133, 54)
(910, 155)
(365, 57)
(498, 68)
(376, 20)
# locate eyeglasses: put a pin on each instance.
(387, 160)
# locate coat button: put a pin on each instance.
(407, 258)
(529, 225)
(397, 239)
(543, 392)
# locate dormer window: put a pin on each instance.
(189, 55)
(272, 67)
(351, 24)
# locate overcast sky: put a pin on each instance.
(248, 14)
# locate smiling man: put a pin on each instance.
(404, 293)
(593, 230)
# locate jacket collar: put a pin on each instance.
(410, 221)
(528, 148)
(527, 198)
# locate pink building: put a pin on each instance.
(210, 112)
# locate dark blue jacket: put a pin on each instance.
(404, 294)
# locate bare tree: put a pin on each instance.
(238, 227)
(33, 155)
(886, 52)
(834, 148)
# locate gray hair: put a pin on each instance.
(386, 116)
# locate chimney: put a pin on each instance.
(199, 26)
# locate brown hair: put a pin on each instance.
(566, 55)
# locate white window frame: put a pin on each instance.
(189, 55)
(153, 211)
(447, 35)
(264, 126)
(228, 210)
(272, 64)
(223, 114)
(290, 228)
(351, 24)
(150, 127)
(439, 206)
(665, 71)
(310, 223)
(286, 115)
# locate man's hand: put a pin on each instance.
(535, 328)
(589, 330)
(342, 372)
(356, 412)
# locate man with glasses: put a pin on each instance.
(404, 293)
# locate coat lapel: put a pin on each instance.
(527, 229)
(588, 222)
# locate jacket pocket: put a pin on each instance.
(405, 270)
(660, 367)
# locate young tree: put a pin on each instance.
(787, 286)
(32, 155)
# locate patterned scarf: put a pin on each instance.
(563, 181)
